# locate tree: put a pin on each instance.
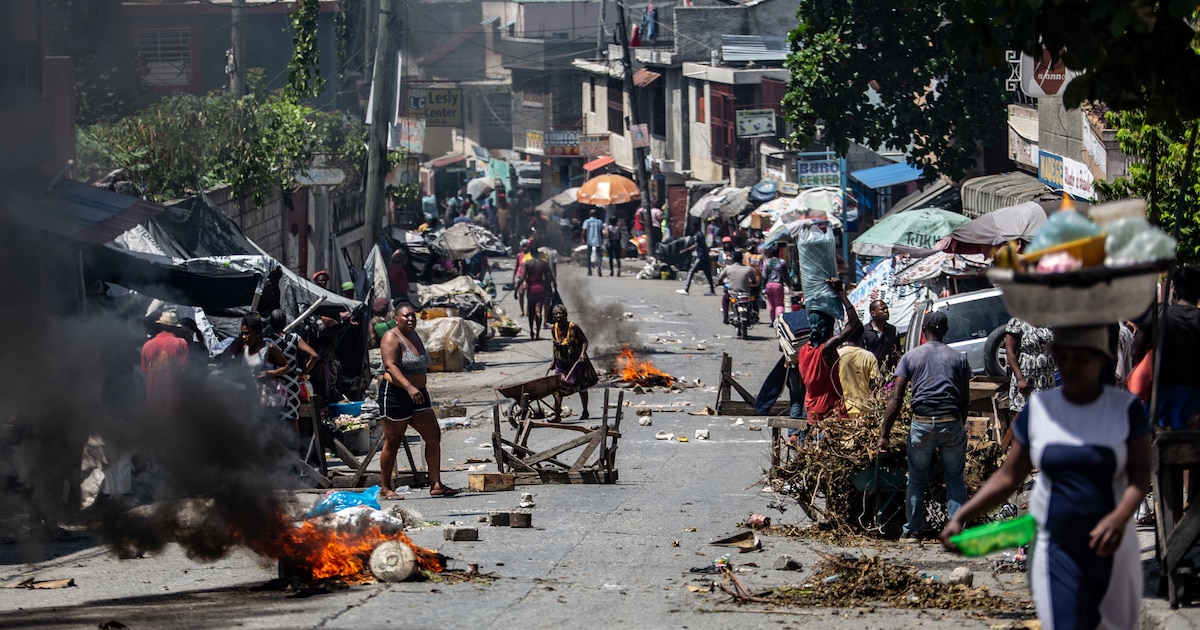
(1133, 54)
(883, 74)
(108, 73)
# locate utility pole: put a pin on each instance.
(382, 114)
(235, 61)
(639, 153)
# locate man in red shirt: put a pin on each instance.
(163, 359)
(816, 359)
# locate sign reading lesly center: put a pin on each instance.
(438, 108)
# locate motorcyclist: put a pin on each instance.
(737, 278)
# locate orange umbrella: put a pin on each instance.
(607, 190)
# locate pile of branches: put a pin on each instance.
(845, 581)
(819, 473)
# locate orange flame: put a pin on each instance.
(333, 553)
(635, 370)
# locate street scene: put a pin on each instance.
(550, 313)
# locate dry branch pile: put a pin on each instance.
(827, 476)
(844, 581)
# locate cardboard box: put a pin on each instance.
(447, 361)
(760, 221)
(491, 482)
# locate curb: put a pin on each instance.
(1156, 614)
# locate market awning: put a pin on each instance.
(446, 160)
(938, 194)
(599, 162)
(889, 175)
(645, 77)
(68, 208)
(981, 195)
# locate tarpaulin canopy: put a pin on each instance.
(901, 281)
(463, 240)
(915, 231)
(764, 191)
(608, 190)
(724, 202)
(1019, 222)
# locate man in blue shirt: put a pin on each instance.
(940, 377)
(593, 230)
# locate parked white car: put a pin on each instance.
(977, 321)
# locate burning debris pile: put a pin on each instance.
(641, 372)
(845, 581)
(342, 546)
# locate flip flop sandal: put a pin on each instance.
(447, 491)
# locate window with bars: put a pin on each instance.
(167, 53)
(616, 107)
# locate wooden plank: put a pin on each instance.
(496, 446)
(361, 469)
(558, 450)
(736, 408)
(597, 440)
(787, 423)
(746, 397)
(491, 482)
(1187, 530)
(545, 477)
(520, 461)
(1179, 453)
(726, 376)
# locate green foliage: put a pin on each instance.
(184, 143)
(1141, 140)
(929, 99)
(108, 73)
(304, 73)
(1134, 54)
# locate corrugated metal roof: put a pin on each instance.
(887, 175)
(85, 213)
(644, 77)
(754, 48)
(982, 195)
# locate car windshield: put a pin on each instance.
(974, 319)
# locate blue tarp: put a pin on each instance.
(884, 176)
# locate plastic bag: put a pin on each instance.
(1063, 226)
(1134, 240)
(341, 499)
(818, 263)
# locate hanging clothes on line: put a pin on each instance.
(650, 24)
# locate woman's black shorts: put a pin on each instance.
(395, 403)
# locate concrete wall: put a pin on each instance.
(702, 27)
(1060, 131)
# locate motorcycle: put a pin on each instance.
(742, 312)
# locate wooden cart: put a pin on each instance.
(545, 466)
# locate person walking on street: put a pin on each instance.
(772, 272)
(881, 338)
(404, 401)
(1091, 446)
(700, 262)
(940, 377)
(613, 239)
(593, 233)
(164, 362)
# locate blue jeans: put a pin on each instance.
(923, 438)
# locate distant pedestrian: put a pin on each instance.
(773, 271)
(940, 378)
(593, 234)
(700, 262)
(164, 360)
(614, 237)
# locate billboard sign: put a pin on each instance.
(594, 145)
(561, 143)
(437, 107)
(813, 173)
(756, 123)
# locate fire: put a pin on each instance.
(641, 371)
(333, 553)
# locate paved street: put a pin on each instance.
(596, 555)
